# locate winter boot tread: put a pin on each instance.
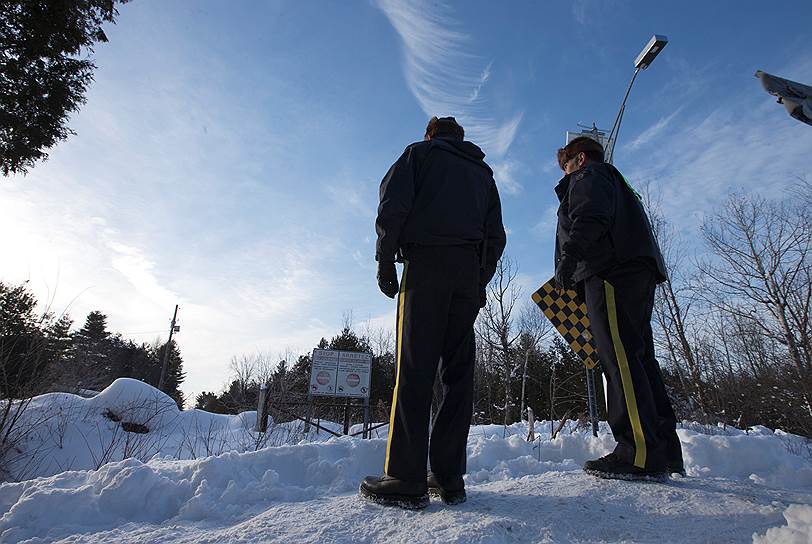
(450, 490)
(389, 491)
(612, 467)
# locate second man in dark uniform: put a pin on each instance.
(606, 250)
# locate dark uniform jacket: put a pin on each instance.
(602, 223)
(440, 193)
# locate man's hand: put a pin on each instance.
(564, 272)
(388, 279)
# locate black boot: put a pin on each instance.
(613, 467)
(676, 467)
(449, 490)
(390, 491)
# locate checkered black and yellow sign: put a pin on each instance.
(568, 316)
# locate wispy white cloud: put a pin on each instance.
(545, 227)
(504, 172)
(579, 8)
(744, 144)
(651, 134)
(483, 79)
(349, 199)
(444, 76)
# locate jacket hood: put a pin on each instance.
(463, 148)
(466, 147)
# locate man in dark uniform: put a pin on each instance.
(439, 209)
(606, 250)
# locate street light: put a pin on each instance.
(650, 51)
(643, 60)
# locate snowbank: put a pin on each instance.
(220, 487)
(797, 531)
(194, 467)
(235, 486)
(759, 455)
(77, 433)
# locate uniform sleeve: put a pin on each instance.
(591, 211)
(495, 237)
(396, 197)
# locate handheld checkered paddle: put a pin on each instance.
(568, 316)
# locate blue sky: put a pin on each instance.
(229, 154)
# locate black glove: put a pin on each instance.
(388, 279)
(564, 272)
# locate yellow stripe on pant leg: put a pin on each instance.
(626, 378)
(401, 305)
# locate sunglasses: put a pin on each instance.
(564, 157)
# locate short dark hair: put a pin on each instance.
(582, 144)
(445, 126)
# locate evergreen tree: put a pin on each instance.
(60, 351)
(300, 373)
(23, 354)
(382, 383)
(17, 310)
(210, 402)
(91, 355)
(60, 340)
(130, 360)
(568, 381)
(94, 329)
(174, 373)
(347, 340)
(45, 69)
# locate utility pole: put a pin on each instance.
(172, 329)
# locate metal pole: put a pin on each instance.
(616, 127)
(262, 414)
(166, 351)
(593, 405)
(367, 433)
(309, 413)
(524, 380)
(347, 417)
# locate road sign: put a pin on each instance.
(323, 372)
(340, 373)
(353, 374)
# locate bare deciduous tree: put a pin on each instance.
(762, 273)
(496, 326)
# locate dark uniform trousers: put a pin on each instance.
(619, 305)
(437, 306)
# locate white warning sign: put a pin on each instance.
(354, 371)
(340, 373)
(323, 372)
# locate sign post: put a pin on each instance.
(262, 409)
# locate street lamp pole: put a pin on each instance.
(643, 61)
(619, 119)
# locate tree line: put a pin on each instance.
(732, 326)
(733, 323)
(40, 353)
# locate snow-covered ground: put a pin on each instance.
(741, 486)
